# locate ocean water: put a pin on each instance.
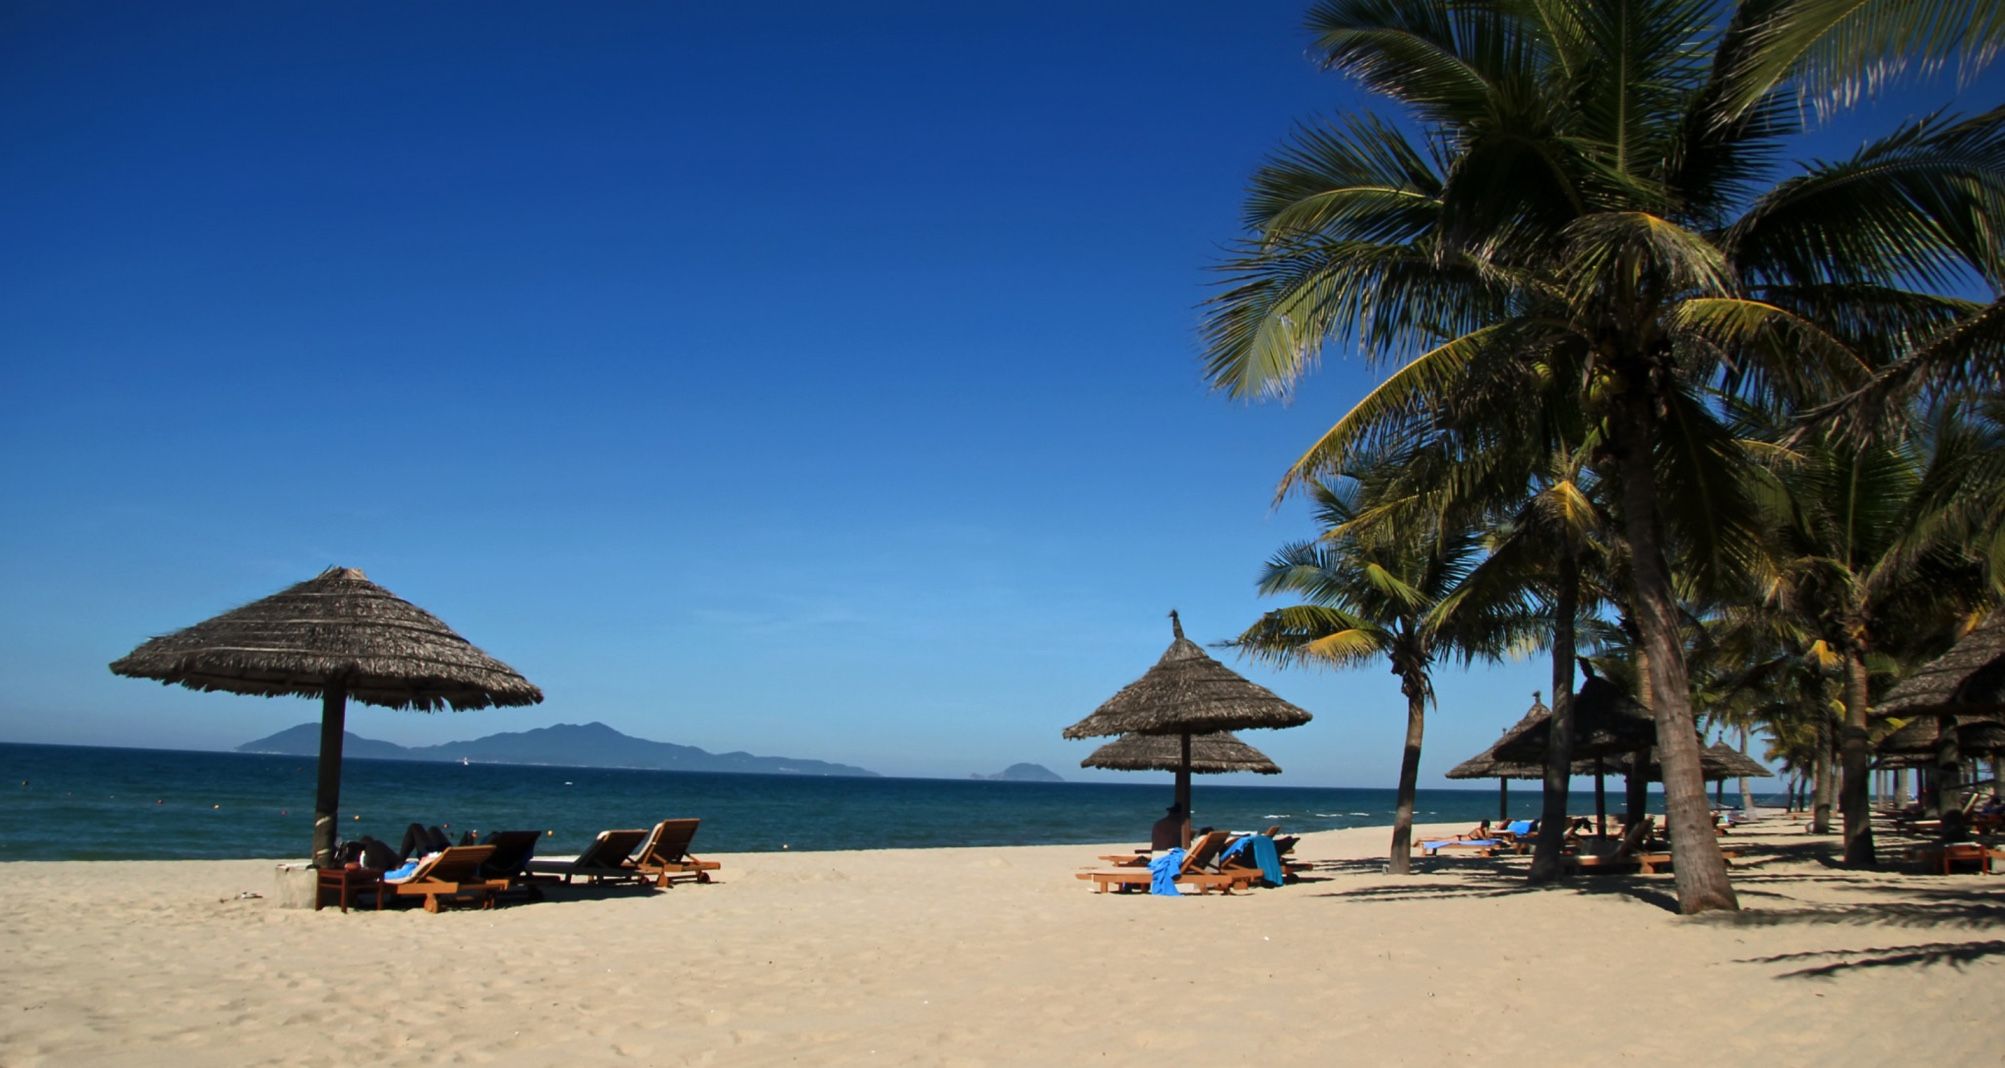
(80, 803)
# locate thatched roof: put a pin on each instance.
(1209, 753)
(337, 629)
(1485, 765)
(1187, 692)
(1732, 763)
(1717, 762)
(1967, 680)
(1922, 737)
(1606, 722)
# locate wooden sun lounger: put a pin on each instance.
(454, 874)
(666, 855)
(1201, 852)
(1481, 848)
(1944, 857)
(607, 859)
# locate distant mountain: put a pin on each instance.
(1023, 773)
(590, 745)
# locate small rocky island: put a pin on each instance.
(1022, 773)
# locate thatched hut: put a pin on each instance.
(334, 636)
(1187, 693)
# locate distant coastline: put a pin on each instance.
(588, 745)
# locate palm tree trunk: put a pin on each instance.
(1746, 792)
(1857, 806)
(1401, 860)
(1701, 870)
(1820, 776)
(1559, 750)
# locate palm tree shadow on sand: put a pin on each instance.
(1954, 954)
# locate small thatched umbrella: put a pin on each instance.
(1969, 680)
(1486, 765)
(334, 637)
(1722, 761)
(1210, 754)
(1186, 693)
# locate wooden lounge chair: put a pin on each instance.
(450, 875)
(608, 859)
(1201, 853)
(513, 851)
(1482, 847)
(1943, 857)
(666, 855)
(1630, 854)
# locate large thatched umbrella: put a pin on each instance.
(1486, 765)
(1969, 680)
(1924, 736)
(1945, 699)
(1186, 693)
(1210, 754)
(334, 637)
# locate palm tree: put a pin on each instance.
(1860, 550)
(1585, 193)
(1365, 598)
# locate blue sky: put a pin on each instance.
(807, 380)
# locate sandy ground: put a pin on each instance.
(1000, 956)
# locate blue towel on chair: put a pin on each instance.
(1519, 826)
(1265, 857)
(1163, 873)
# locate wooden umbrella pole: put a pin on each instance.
(1600, 799)
(1183, 775)
(333, 713)
(1503, 800)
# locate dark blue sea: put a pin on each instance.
(79, 803)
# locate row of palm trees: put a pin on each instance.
(1642, 396)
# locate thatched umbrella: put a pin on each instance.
(1718, 762)
(334, 637)
(1486, 764)
(1210, 754)
(1606, 723)
(1969, 680)
(1924, 735)
(1186, 693)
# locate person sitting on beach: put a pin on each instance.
(1479, 833)
(1170, 832)
(419, 838)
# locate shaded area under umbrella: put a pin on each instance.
(334, 636)
(1187, 693)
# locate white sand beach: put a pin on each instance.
(1000, 956)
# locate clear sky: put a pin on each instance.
(814, 380)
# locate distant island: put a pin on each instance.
(589, 745)
(1022, 773)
